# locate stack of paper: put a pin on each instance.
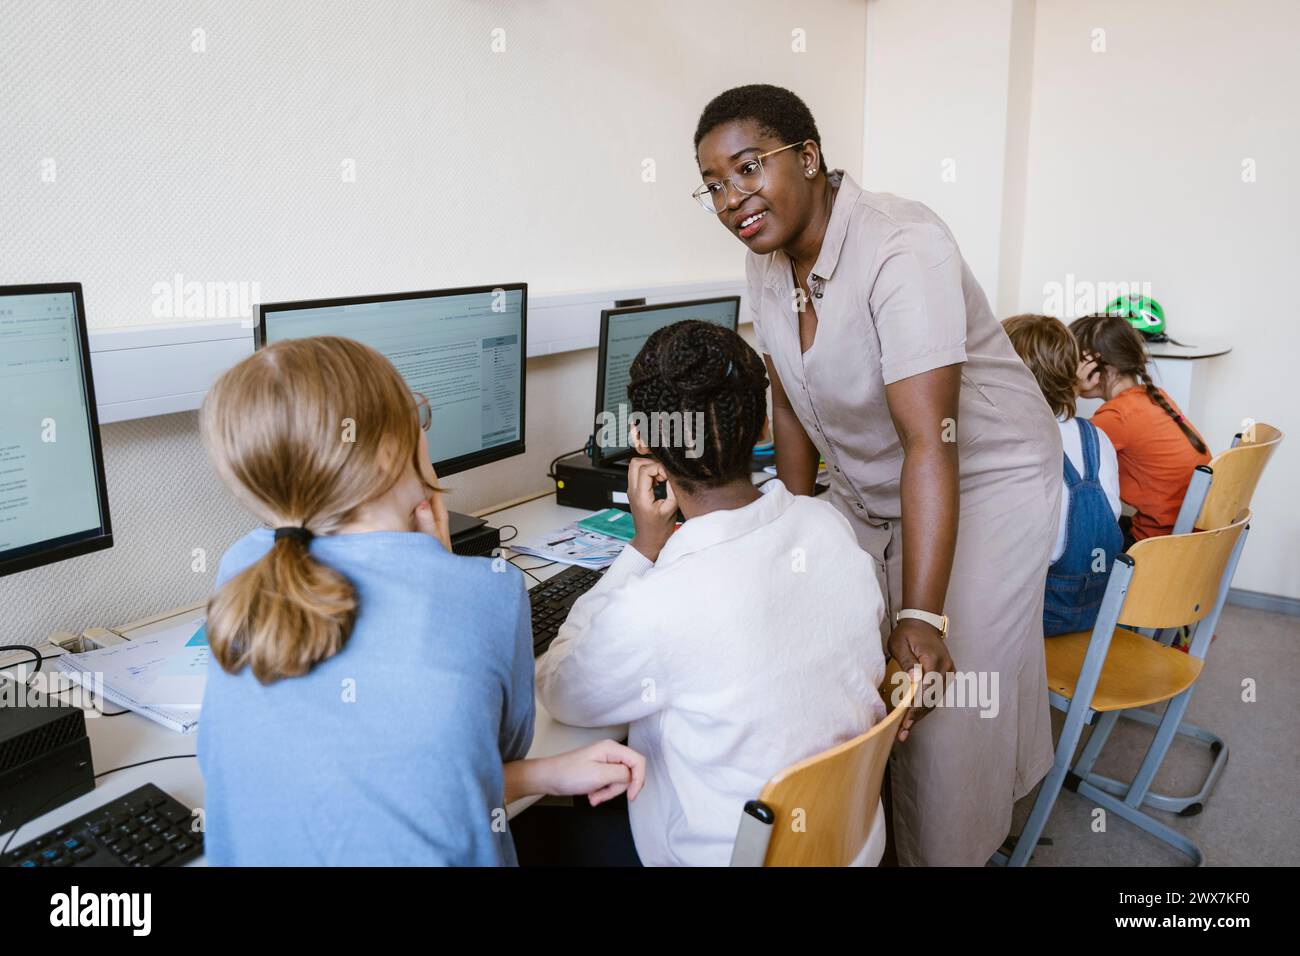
(160, 675)
(572, 545)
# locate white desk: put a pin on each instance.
(129, 738)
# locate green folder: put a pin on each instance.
(611, 522)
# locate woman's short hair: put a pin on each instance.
(775, 109)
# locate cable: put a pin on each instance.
(53, 801)
(530, 574)
(141, 763)
(529, 571)
(535, 567)
(512, 528)
(27, 649)
(550, 472)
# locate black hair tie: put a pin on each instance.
(301, 535)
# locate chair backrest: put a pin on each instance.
(1177, 578)
(824, 806)
(1235, 473)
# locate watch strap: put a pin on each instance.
(937, 621)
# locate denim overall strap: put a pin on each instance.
(1075, 582)
(1091, 450)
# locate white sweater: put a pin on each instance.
(752, 643)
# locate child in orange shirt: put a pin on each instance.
(1157, 447)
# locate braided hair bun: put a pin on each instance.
(709, 378)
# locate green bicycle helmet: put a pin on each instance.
(1143, 313)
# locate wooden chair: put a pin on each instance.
(1218, 495)
(1160, 583)
(1219, 492)
(834, 795)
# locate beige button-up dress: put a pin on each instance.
(893, 299)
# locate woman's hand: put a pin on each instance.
(654, 520)
(921, 652)
(430, 513)
(601, 771)
(431, 519)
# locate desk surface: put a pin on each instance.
(126, 739)
(1200, 347)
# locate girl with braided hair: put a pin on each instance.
(735, 645)
(1158, 447)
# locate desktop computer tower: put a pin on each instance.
(580, 484)
(44, 755)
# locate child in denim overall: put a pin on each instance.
(1089, 536)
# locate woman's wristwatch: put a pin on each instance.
(937, 621)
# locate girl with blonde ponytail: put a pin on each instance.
(374, 700)
(1157, 447)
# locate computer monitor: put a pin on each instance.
(53, 500)
(464, 349)
(622, 333)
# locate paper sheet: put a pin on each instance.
(159, 675)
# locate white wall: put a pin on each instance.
(471, 167)
(939, 124)
(1122, 165)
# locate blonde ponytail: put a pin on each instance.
(277, 429)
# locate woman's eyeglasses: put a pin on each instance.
(748, 179)
(423, 410)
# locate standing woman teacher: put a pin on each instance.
(886, 361)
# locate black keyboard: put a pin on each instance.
(147, 827)
(552, 599)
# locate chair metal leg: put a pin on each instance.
(1187, 806)
(1080, 710)
(1159, 747)
(1148, 823)
(1096, 741)
(1043, 803)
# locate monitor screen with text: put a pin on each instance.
(52, 500)
(462, 349)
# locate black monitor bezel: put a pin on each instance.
(463, 462)
(52, 550)
(602, 353)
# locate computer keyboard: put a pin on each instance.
(552, 599)
(146, 827)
